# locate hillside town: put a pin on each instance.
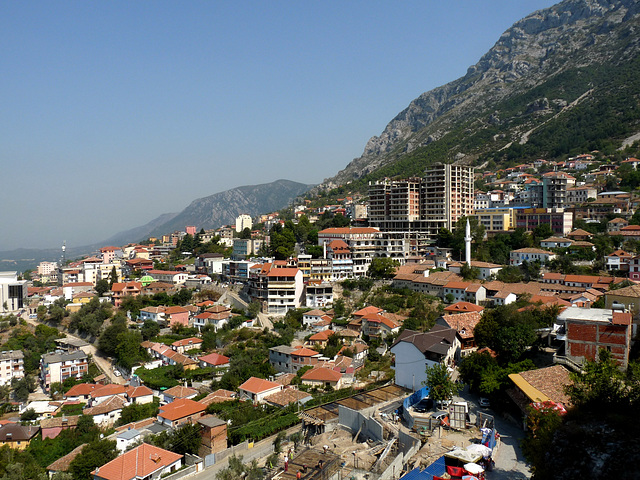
(390, 332)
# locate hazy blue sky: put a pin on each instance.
(115, 112)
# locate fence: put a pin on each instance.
(182, 473)
(412, 399)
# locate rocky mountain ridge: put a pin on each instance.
(572, 35)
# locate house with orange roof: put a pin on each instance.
(618, 260)
(105, 392)
(256, 389)
(180, 411)
(177, 315)
(320, 339)
(303, 357)
(80, 392)
(192, 343)
(463, 307)
(107, 412)
(214, 360)
(322, 377)
(120, 290)
(142, 462)
(178, 392)
(139, 395)
(378, 325)
(311, 317)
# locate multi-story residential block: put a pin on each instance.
(243, 221)
(13, 292)
(47, 268)
(577, 195)
(319, 294)
(341, 262)
(496, 219)
(618, 260)
(121, 290)
(285, 290)
(561, 221)
(423, 205)
(11, 366)
(57, 367)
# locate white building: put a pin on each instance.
(516, 257)
(243, 221)
(13, 292)
(415, 351)
(11, 366)
(57, 367)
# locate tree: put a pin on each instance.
(149, 329)
(113, 277)
(468, 272)
(600, 384)
(93, 455)
(439, 382)
(253, 309)
(383, 267)
(28, 415)
(102, 287)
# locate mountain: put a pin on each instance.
(562, 80)
(223, 208)
(208, 212)
(139, 233)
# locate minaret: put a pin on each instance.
(467, 244)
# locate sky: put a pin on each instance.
(113, 113)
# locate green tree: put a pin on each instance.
(383, 267)
(102, 287)
(149, 329)
(441, 386)
(93, 455)
(113, 277)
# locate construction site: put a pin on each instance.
(364, 437)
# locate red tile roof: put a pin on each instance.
(283, 272)
(322, 374)
(258, 385)
(106, 390)
(185, 342)
(181, 408)
(214, 359)
(81, 389)
(463, 307)
(140, 462)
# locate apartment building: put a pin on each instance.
(13, 292)
(58, 366)
(561, 221)
(11, 366)
(423, 205)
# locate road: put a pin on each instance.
(510, 462)
(104, 363)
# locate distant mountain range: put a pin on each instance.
(563, 80)
(209, 212)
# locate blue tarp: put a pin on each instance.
(437, 468)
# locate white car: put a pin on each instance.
(117, 373)
(484, 402)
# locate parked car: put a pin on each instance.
(484, 402)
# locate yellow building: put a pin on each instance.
(496, 219)
(17, 436)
